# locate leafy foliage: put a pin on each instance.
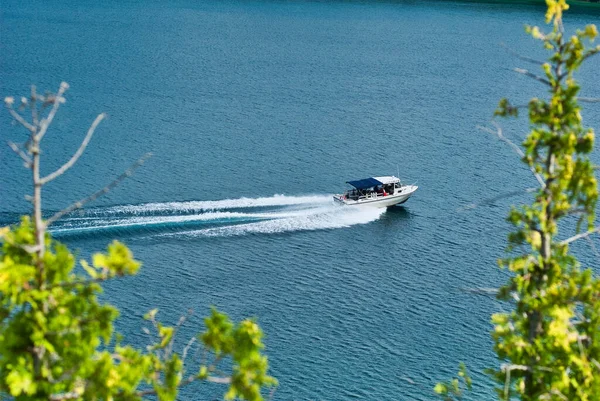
(55, 336)
(454, 389)
(551, 339)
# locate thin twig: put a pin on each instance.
(77, 154)
(19, 118)
(203, 357)
(22, 154)
(497, 198)
(84, 282)
(573, 212)
(507, 368)
(591, 53)
(532, 75)
(524, 58)
(579, 236)
(185, 382)
(169, 348)
(220, 380)
(593, 247)
(147, 332)
(187, 348)
(481, 291)
(65, 396)
(589, 99)
(510, 367)
(272, 393)
(507, 384)
(79, 204)
(558, 393)
(57, 100)
(33, 107)
(514, 147)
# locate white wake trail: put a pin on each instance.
(191, 206)
(277, 214)
(305, 220)
(148, 221)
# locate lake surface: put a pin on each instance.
(256, 112)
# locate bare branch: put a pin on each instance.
(532, 75)
(169, 348)
(27, 248)
(507, 383)
(56, 101)
(79, 204)
(145, 392)
(65, 396)
(579, 236)
(33, 107)
(187, 348)
(496, 198)
(77, 154)
(272, 393)
(573, 212)
(514, 147)
(591, 53)
(593, 247)
(221, 380)
(481, 291)
(499, 134)
(85, 282)
(507, 368)
(524, 58)
(589, 99)
(23, 155)
(190, 379)
(558, 393)
(19, 118)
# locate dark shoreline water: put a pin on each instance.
(257, 111)
(574, 5)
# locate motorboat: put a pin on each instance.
(383, 191)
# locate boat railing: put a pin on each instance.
(354, 194)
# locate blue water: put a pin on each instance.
(256, 112)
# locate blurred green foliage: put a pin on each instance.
(454, 389)
(57, 340)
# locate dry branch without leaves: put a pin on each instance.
(521, 57)
(532, 75)
(31, 154)
(62, 169)
(580, 236)
(80, 203)
(514, 147)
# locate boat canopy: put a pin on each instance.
(373, 182)
(388, 179)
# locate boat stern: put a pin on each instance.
(339, 199)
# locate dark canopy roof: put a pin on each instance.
(365, 183)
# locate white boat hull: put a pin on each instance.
(379, 200)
